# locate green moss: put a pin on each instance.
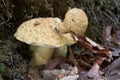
(2, 67)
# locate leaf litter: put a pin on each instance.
(94, 59)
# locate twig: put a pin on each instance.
(107, 16)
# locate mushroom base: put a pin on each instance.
(41, 55)
(62, 51)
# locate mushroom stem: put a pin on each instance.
(62, 29)
(68, 39)
(41, 55)
(62, 51)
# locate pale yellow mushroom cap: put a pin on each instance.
(76, 21)
(42, 32)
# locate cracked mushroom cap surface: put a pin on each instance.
(40, 31)
(75, 20)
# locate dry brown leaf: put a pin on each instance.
(116, 38)
(106, 35)
(113, 65)
(72, 75)
(53, 63)
(33, 74)
(92, 46)
(115, 51)
(83, 63)
(60, 74)
(94, 72)
(73, 60)
(110, 35)
(55, 73)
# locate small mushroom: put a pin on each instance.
(75, 20)
(43, 37)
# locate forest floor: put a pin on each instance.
(104, 24)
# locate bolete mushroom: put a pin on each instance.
(75, 20)
(43, 37)
(47, 36)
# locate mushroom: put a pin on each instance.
(75, 20)
(43, 37)
(47, 36)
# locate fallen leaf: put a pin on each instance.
(92, 46)
(115, 51)
(83, 63)
(66, 66)
(55, 73)
(94, 72)
(112, 36)
(116, 38)
(73, 60)
(113, 65)
(33, 74)
(107, 34)
(53, 63)
(72, 75)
